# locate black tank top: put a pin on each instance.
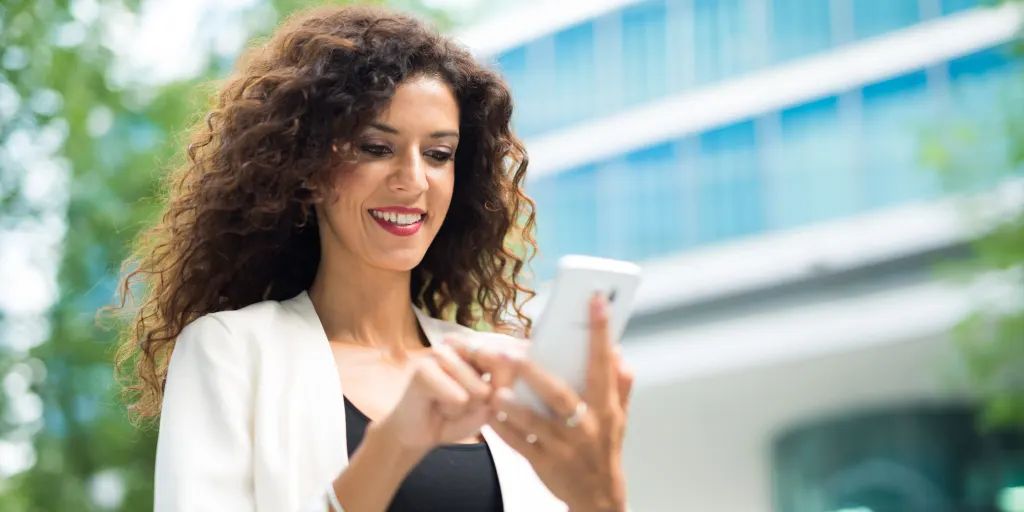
(451, 478)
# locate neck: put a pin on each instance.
(367, 306)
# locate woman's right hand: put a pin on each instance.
(446, 401)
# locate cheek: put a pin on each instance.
(351, 188)
(443, 189)
(346, 179)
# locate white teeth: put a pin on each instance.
(401, 219)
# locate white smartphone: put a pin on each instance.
(560, 342)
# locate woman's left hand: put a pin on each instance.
(578, 452)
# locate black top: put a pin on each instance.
(451, 478)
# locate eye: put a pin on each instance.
(440, 156)
(376, 150)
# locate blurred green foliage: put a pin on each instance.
(115, 138)
(991, 339)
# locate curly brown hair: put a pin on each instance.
(239, 225)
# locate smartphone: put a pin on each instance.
(560, 342)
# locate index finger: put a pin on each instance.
(497, 361)
(602, 382)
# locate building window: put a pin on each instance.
(729, 183)
(876, 17)
(916, 459)
(799, 28)
(644, 52)
(724, 40)
(575, 77)
(951, 6)
(896, 114)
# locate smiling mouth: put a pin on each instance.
(398, 219)
(398, 224)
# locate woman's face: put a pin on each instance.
(392, 200)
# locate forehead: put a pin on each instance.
(423, 101)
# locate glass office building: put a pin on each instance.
(769, 163)
(826, 155)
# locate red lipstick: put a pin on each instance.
(398, 220)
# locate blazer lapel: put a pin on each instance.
(521, 488)
(317, 362)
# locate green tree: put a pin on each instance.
(973, 155)
(63, 92)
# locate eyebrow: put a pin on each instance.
(436, 135)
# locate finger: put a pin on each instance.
(561, 398)
(601, 384)
(450, 397)
(460, 371)
(505, 357)
(524, 418)
(496, 361)
(517, 439)
(626, 379)
(502, 367)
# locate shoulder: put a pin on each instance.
(256, 317)
(230, 335)
(266, 317)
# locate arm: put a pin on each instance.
(204, 449)
(375, 471)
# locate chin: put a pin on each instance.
(399, 260)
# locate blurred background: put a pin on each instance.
(826, 197)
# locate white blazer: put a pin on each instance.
(253, 417)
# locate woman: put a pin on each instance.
(349, 190)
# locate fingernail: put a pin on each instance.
(600, 306)
(501, 416)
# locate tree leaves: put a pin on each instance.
(64, 111)
(991, 340)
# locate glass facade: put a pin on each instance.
(828, 158)
(655, 48)
(926, 459)
(823, 160)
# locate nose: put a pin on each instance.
(411, 174)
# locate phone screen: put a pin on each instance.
(561, 338)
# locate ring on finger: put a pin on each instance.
(574, 420)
